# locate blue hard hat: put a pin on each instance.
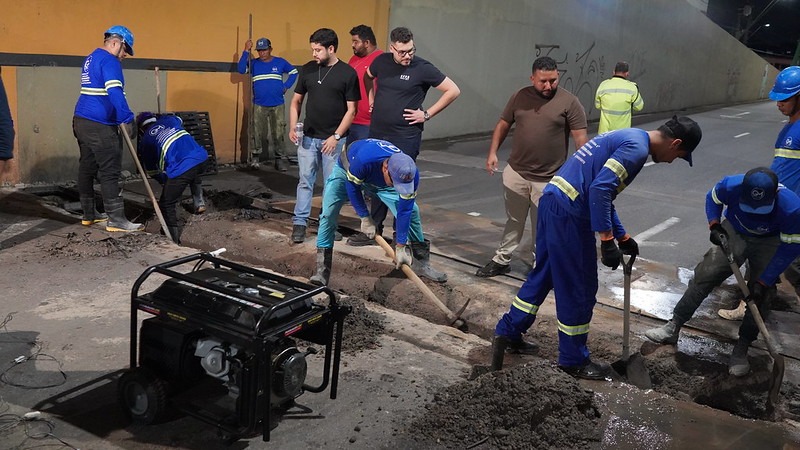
(787, 84)
(263, 44)
(125, 34)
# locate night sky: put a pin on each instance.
(779, 38)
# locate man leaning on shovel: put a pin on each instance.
(762, 226)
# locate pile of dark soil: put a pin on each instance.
(532, 406)
(93, 245)
(362, 327)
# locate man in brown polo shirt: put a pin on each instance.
(545, 117)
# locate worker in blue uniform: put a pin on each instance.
(762, 226)
(100, 110)
(391, 176)
(786, 163)
(171, 156)
(576, 204)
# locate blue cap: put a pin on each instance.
(402, 171)
(263, 44)
(759, 189)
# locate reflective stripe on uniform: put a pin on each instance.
(271, 76)
(527, 308)
(714, 197)
(93, 91)
(787, 153)
(790, 238)
(564, 186)
(622, 173)
(113, 83)
(574, 330)
(408, 196)
(167, 144)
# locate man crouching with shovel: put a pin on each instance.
(391, 176)
(762, 226)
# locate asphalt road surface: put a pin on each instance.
(664, 208)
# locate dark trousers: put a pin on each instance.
(410, 146)
(173, 190)
(101, 157)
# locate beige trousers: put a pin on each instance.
(521, 200)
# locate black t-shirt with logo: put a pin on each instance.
(400, 87)
(327, 90)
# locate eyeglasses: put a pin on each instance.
(404, 53)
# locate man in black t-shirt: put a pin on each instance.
(332, 90)
(397, 114)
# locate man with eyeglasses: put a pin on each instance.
(100, 110)
(269, 114)
(403, 80)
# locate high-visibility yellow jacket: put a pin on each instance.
(616, 97)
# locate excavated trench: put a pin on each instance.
(554, 403)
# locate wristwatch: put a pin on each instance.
(336, 136)
(425, 115)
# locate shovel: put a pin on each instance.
(777, 360)
(455, 320)
(631, 365)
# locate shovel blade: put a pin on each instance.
(634, 370)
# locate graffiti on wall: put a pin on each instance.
(580, 72)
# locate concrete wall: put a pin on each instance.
(678, 57)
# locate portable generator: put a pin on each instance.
(222, 344)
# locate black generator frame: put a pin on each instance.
(320, 324)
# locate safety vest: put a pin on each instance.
(615, 99)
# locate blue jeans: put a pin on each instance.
(309, 160)
(336, 195)
(357, 132)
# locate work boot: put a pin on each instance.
(90, 213)
(590, 370)
(197, 199)
(175, 233)
(298, 233)
(517, 346)
(281, 165)
(422, 262)
(734, 314)
(738, 365)
(667, 334)
(492, 269)
(115, 208)
(499, 346)
(324, 261)
(360, 240)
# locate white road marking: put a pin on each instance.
(740, 135)
(646, 234)
(474, 214)
(735, 116)
(649, 163)
(427, 174)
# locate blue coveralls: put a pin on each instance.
(358, 169)
(576, 203)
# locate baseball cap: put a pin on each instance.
(402, 171)
(759, 189)
(688, 131)
(263, 44)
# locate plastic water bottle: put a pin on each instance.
(298, 131)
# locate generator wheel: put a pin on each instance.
(142, 395)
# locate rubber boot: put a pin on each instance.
(668, 334)
(197, 198)
(90, 213)
(422, 264)
(734, 314)
(115, 208)
(324, 261)
(175, 233)
(499, 345)
(738, 365)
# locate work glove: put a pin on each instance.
(628, 246)
(758, 292)
(716, 232)
(368, 227)
(403, 256)
(610, 254)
